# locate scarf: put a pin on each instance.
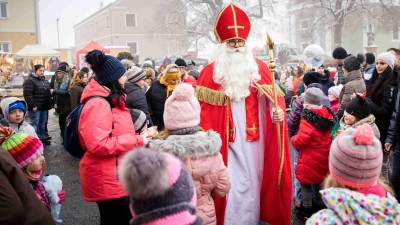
(169, 76)
(64, 86)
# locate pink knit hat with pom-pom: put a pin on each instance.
(182, 110)
(355, 158)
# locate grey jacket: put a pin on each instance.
(354, 83)
(24, 127)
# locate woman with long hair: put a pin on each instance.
(106, 132)
(78, 83)
(62, 99)
(383, 91)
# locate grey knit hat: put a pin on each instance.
(135, 74)
(160, 188)
(355, 158)
(313, 96)
(388, 57)
(352, 62)
(138, 118)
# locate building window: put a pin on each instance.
(133, 47)
(107, 22)
(3, 9)
(396, 35)
(5, 47)
(304, 24)
(130, 20)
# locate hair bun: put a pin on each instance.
(183, 92)
(95, 58)
(364, 135)
(360, 58)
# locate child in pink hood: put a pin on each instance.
(198, 149)
(333, 94)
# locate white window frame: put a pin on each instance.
(398, 34)
(9, 46)
(137, 46)
(136, 22)
(7, 11)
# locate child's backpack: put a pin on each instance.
(71, 134)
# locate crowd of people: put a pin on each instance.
(177, 146)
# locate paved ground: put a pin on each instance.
(75, 210)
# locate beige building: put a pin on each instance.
(144, 26)
(18, 24)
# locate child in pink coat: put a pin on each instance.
(198, 149)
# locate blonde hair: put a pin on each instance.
(332, 182)
(78, 78)
(27, 170)
(171, 72)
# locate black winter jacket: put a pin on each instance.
(62, 99)
(156, 97)
(37, 92)
(136, 99)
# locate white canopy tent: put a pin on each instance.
(32, 51)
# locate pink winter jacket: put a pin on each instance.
(98, 167)
(200, 153)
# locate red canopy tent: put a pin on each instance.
(81, 53)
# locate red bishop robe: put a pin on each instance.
(216, 114)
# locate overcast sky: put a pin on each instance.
(69, 12)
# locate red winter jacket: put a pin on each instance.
(313, 141)
(98, 167)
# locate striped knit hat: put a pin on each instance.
(160, 188)
(23, 148)
(134, 74)
(355, 159)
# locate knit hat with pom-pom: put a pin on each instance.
(355, 159)
(107, 68)
(22, 147)
(160, 188)
(182, 109)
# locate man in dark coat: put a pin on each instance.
(136, 98)
(37, 95)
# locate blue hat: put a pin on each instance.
(107, 68)
(17, 105)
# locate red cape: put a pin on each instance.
(215, 114)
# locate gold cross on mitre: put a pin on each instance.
(235, 26)
(253, 128)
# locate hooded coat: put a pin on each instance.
(201, 155)
(107, 134)
(369, 119)
(24, 127)
(349, 207)
(313, 140)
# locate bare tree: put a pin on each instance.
(335, 13)
(201, 15)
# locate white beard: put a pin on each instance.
(236, 70)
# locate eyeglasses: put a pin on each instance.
(233, 42)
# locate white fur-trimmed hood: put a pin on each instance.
(197, 145)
